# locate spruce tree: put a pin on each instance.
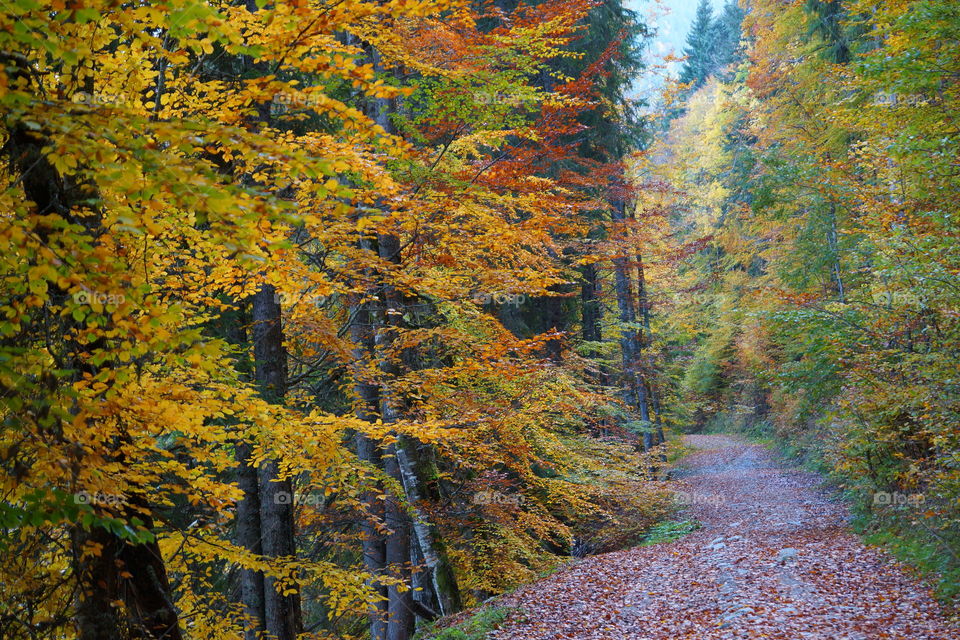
(726, 36)
(700, 47)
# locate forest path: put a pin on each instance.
(774, 559)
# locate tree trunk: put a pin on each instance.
(392, 619)
(634, 392)
(145, 591)
(248, 536)
(642, 401)
(281, 615)
(281, 612)
(372, 541)
(835, 250)
(365, 319)
(591, 307)
(131, 572)
(591, 310)
(232, 326)
(646, 342)
(439, 573)
(401, 621)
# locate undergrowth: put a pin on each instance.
(669, 531)
(931, 559)
(476, 627)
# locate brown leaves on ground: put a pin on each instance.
(774, 559)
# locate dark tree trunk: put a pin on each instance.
(232, 325)
(591, 306)
(393, 619)
(552, 313)
(643, 403)
(590, 303)
(248, 536)
(658, 420)
(131, 572)
(400, 624)
(268, 498)
(281, 612)
(633, 389)
(646, 343)
(835, 251)
(364, 321)
(372, 541)
(401, 620)
(145, 591)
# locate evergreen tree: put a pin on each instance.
(712, 44)
(700, 47)
(828, 24)
(726, 36)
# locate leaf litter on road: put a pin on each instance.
(775, 558)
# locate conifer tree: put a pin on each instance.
(700, 49)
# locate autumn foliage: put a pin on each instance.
(815, 226)
(266, 262)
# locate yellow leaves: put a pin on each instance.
(64, 162)
(91, 549)
(367, 222)
(197, 199)
(469, 145)
(194, 359)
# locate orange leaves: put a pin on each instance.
(212, 150)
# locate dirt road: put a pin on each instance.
(774, 559)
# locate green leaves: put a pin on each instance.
(54, 507)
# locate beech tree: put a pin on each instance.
(255, 376)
